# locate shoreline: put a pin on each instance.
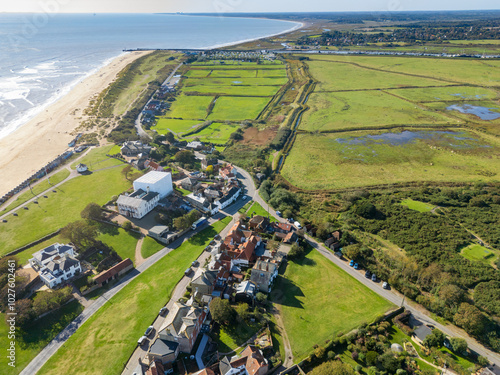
(46, 135)
(38, 141)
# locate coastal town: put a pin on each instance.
(276, 207)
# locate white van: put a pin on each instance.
(297, 224)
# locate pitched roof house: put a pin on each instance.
(240, 245)
(263, 275)
(251, 362)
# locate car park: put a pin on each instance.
(142, 340)
(374, 277)
(148, 331)
(368, 274)
(163, 311)
(356, 266)
(385, 285)
(351, 263)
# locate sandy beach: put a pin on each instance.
(47, 135)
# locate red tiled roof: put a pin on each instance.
(104, 275)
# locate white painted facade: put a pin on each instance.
(158, 182)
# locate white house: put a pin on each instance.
(148, 191)
(59, 269)
(55, 264)
(44, 256)
(229, 198)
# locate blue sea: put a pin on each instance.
(42, 56)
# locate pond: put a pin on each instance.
(484, 113)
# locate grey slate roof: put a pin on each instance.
(163, 347)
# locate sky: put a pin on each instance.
(227, 6)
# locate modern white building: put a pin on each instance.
(148, 191)
(154, 181)
(56, 264)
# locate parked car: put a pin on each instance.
(385, 285)
(356, 266)
(187, 271)
(142, 340)
(148, 331)
(374, 277)
(163, 311)
(297, 224)
(195, 263)
(351, 263)
(278, 213)
(368, 274)
(290, 220)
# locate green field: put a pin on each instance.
(257, 209)
(237, 109)
(38, 189)
(237, 90)
(233, 73)
(120, 240)
(322, 300)
(346, 75)
(236, 81)
(217, 133)
(449, 93)
(331, 161)
(165, 125)
(478, 253)
(477, 41)
(417, 206)
(190, 107)
(150, 246)
(70, 199)
(470, 71)
(104, 342)
(230, 338)
(96, 158)
(29, 344)
(359, 109)
(237, 64)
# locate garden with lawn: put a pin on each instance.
(317, 297)
(104, 342)
(70, 198)
(97, 158)
(478, 253)
(150, 247)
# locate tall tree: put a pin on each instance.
(470, 318)
(81, 233)
(221, 311)
(332, 368)
(92, 212)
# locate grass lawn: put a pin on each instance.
(165, 125)
(190, 107)
(232, 337)
(233, 73)
(150, 246)
(470, 71)
(359, 109)
(452, 93)
(330, 161)
(184, 192)
(70, 199)
(37, 189)
(115, 150)
(417, 206)
(257, 209)
(236, 81)
(272, 73)
(29, 344)
(104, 342)
(97, 159)
(346, 75)
(245, 208)
(236, 108)
(119, 239)
(317, 297)
(478, 253)
(232, 90)
(217, 133)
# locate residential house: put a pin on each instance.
(202, 203)
(133, 148)
(229, 197)
(163, 351)
(203, 281)
(195, 145)
(59, 269)
(245, 292)
(114, 272)
(263, 275)
(156, 368)
(333, 243)
(44, 256)
(189, 183)
(251, 362)
(152, 165)
(228, 172)
(182, 325)
(240, 245)
(148, 191)
(259, 223)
